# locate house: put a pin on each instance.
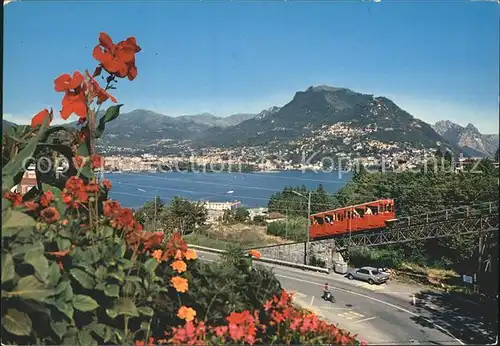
(220, 206)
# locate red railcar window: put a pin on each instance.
(319, 220)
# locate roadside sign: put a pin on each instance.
(467, 279)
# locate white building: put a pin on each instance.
(220, 205)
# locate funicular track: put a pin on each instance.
(463, 220)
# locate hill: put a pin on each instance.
(329, 119)
(469, 138)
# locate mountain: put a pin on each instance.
(324, 117)
(468, 138)
(211, 120)
(6, 124)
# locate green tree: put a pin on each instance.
(241, 214)
(184, 216)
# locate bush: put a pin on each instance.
(293, 229)
(376, 258)
(78, 269)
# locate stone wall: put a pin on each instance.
(321, 253)
(288, 252)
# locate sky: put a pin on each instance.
(437, 60)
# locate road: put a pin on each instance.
(360, 308)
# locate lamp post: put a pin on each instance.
(308, 197)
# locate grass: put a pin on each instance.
(224, 236)
(203, 240)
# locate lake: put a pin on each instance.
(251, 189)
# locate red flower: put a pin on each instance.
(65, 82)
(97, 161)
(14, 197)
(174, 243)
(152, 239)
(50, 215)
(107, 184)
(74, 102)
(78, 161)
(95, 90)
(40, 117)
(47, 198)
(74, 94)
(74, 192)
(31, 206)
(110, 207)
(92, 187)
(117, 59)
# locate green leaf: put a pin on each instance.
(8, 269)
(145, 310)
(133, 279)
(112, 290)
(54, 274)
(15, 165)
(86, 339)
(84, 303)
(123, 306)
(83, 278)
(103, 331)
(14, 221)
(29, 287)
(38, 261)
(151, 265)
(118, 275)
(59, 328)
(86, 171)
(111, 113)
(17, 322)
(107, 231)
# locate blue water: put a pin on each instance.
(251, 189)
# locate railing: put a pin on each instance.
(466, 211)
(266, 260)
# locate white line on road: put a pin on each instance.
(379, 301)
(365, 319)
(312, 300)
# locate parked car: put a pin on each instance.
(368, 274)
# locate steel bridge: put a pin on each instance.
(471, 219)
(479, 219)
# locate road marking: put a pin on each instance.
(312, 300)
(379, 301)
(351, 315)
(298, 294)
(366, 319)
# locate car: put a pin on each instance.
(368, 274)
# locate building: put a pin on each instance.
(27, 182)
(220, 206)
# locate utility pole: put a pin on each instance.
(308, 228)
(308, 197)
(154, 221)
(286, 223)
(479, 261)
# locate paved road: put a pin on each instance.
(361, 308)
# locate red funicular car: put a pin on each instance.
(355, 218)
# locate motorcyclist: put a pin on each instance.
(326, 289)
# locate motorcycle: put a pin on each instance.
(328, 296)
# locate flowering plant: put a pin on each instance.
(77, 268)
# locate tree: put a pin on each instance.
(496, 156)
(241, 214)
(182, 215)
